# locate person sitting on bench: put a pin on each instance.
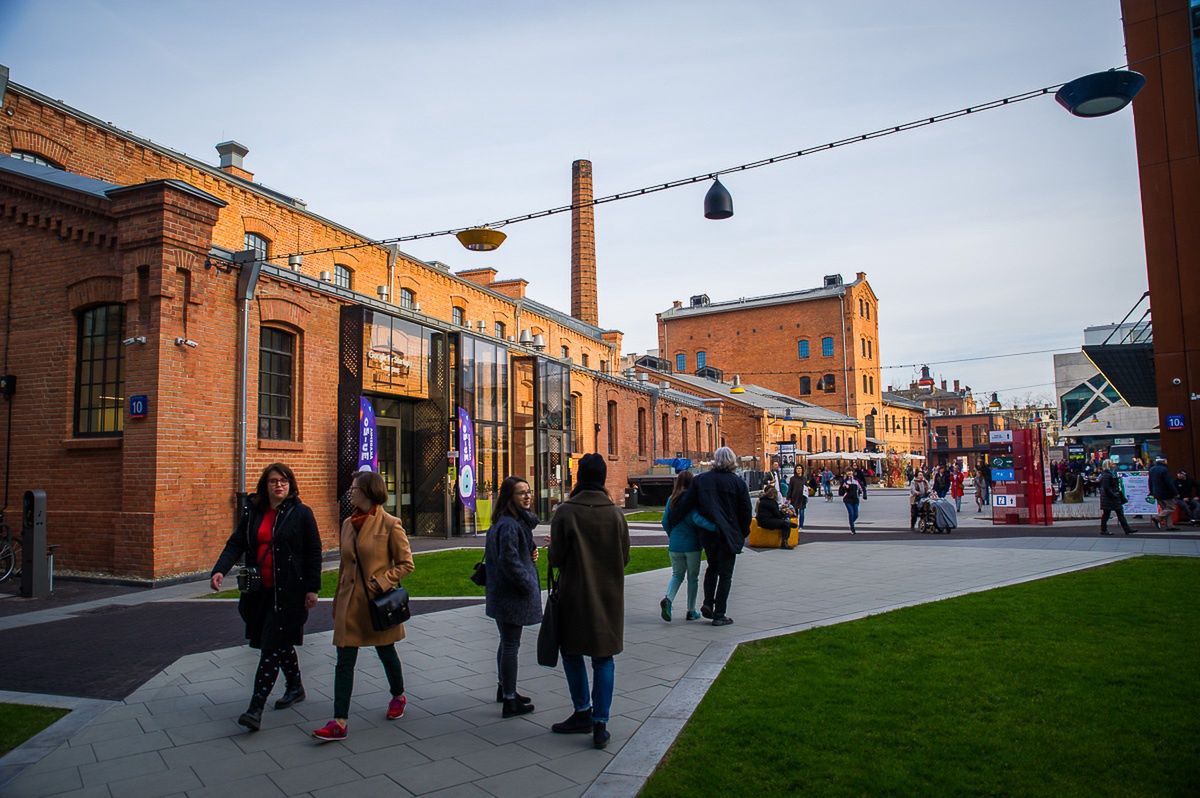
(769, 516)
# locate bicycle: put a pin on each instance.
(10, 551)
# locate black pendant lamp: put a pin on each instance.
(717, 202)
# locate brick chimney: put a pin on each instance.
(956, 386)
(583, 245)
(232, 153)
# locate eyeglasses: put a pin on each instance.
(524, 493)
(277, 482)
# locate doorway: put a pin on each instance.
(393, 422)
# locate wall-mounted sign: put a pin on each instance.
(1000, 500)
(1122, 441)
(1003, 475)
(1175, 421)
(1000, 436)
(368, 444)
(1002, 461)
(466, 459)
(139, 406)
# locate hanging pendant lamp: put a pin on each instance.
(718, 204)
(480, 239)
(1100, 94)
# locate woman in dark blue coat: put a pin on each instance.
(514, 590)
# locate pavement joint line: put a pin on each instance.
(82, 712)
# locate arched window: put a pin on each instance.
(701, 359)
(805, 386)
(839, 443)
(342, 276)
(808, 444)
(33, 157)
(824, 443)
(828, 385)
(612, 428)
(499, 329)
(827, 346)
(870, 348)
(565, 352)
(865, 384)
(260, 245)
(802, 348)
(407, 298)
(683, 436)
(458, 315)
(276, 357)
(871, 390)
(641, 432)
(863, 341)
(666, 436)
(100, 371)
(681, 362)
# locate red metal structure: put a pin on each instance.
(1026, 498)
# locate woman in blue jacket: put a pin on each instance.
(684, 548)
(514, 590)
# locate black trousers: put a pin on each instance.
(1120, 517)
(718, 577)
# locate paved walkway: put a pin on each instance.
(176, 735)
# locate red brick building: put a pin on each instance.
(118, 279)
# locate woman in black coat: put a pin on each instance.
(278, 537)
(514, 590)
(769, 516)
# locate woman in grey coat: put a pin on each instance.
(514, 597)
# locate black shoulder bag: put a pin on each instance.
(547, 642)
(389, 608)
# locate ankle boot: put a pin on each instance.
(514, 707)
(524, 699)
(252, 717)
(578, 723)
(600, 735)
(292, 695)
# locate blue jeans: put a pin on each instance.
(684, 563)
(604, 671)
(800, 517)
(852, 511)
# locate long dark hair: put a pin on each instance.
(261, 498)
(683, 481)
(507, 500)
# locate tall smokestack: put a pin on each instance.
(583, 245)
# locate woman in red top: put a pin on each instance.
(956, 487)
(278, 537)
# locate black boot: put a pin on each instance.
(252, 717)
(578, 723)
(514, 707)
(600, 735)
(524, 699)
(292, 695)
(784, 543)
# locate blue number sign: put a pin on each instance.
(139, 406)
(1175, 421)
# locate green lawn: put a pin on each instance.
(1081, 685)
(651, 514)
(19, 722)
(445, 573)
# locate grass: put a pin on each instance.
(19, 722)
(653, 514)
(445, 573)
(1084, 684)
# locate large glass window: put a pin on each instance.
(802, 348)
(99, 371)
(260, 245)
(276, 356)
(827, 346)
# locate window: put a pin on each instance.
(33, 157)
(260, 245)
(827, 346)
(641, 429)
(828, 385)
(683, 438)
(458, 315)
(498, 329)
(276, 354)
(868, 311)
(701, 359)
(805, 386)
(681, 362)
(612, 429)
(99, 371)
(863, 341)
(808, 441)
(838, 446)
(584, 358)
(870, 348)
(802, 348)
(565, 353)
(577, 420)
(871, 390)
(824, 443)
(698, 438)
(860, 308)
(865, 384)
(666, 442)
(408, 299)
(342, 276)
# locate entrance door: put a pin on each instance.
(393, 468)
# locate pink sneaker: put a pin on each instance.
(396, 707)
(330, 731)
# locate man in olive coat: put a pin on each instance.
(589, 545)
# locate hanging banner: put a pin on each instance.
(368, 443)
(1137, 489)
(466, 460)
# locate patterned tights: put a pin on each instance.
(269, 664)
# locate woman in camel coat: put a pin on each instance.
(375, 541)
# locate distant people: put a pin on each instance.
(814, 484)
(1162, 488)
(798, 496)
(514, 589)
(917, 493)
(723, 512)
(589, 544)
(979, 491)
(985, 475)
(1112, 500)
(1185, 486)
(683, 546)
(375, 557)
(860, 476)
(275, 529)
(956, 487)
(851, 492)
(827, 484)
(941, 482)
(770, 516)
(908, 473)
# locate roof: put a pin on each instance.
(57, 177)
(898, 400)
(807, 295)
(559, 317)
(775, 403)
(1129, 368)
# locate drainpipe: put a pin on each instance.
(845, 361)
(251, 268)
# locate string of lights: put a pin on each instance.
(835, 369)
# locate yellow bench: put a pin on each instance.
(770, 538)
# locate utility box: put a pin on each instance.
(35, 565)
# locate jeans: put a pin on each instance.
(958, 504)
(718, 577)
(506, 657)
(684, 563)
(604, 671)
(343, 675)
(800, 517)
(852, 511)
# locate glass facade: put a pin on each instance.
(483, 385)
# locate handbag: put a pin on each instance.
(389, 608)
(547, 642)
(249, 580)
(479, 574)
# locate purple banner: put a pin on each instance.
(368, 442)
(466, 460)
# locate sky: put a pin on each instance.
(1003, 232)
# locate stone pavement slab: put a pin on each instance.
(177, 733)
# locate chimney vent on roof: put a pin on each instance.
(956, 386)
(676, 304)
(232, 153)
(832, 280)
(699, 300)
(943, 385)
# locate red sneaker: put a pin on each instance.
(396, 707)
(330, 731)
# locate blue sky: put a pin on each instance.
(1006, 232)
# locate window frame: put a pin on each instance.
(407, 298)
(827, 346)
(612, 428)
(701, 359)
(681, 362)
(259, 243)
(343, 276)
(290, 430)
(458, 316)
(107, 341)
